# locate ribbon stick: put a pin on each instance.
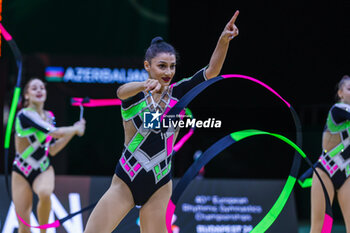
(87, 102)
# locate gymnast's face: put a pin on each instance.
(162, 68)
(344, 92)
(36, 92)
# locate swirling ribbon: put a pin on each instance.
(18, 57)
(58, 222)
(266, 222)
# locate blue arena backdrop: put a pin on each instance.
(208, 205)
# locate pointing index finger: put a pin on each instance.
(234, 17)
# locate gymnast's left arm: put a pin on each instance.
(218, 57)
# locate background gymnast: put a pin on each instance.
(334, 162)
(36, 138)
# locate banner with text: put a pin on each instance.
(207, 206)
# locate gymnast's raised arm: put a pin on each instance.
(218, 57)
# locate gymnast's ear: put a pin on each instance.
(147, 65)
(340, 93)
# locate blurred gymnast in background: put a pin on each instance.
(36, 138)
(334, 162)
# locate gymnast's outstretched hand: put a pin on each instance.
(230, 30)
(80, 127)
(218, 57)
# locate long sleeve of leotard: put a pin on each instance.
(184, 85)
(28, 118)
(339, 114)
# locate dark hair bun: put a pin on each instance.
(157, 39)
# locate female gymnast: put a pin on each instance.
(142, 176)
(334, 162)
(36, 137)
